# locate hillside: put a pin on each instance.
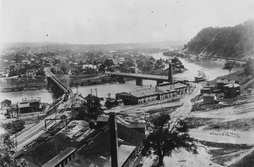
(234, 42)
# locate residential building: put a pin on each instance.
(222, 82)
(5, 104)
(29, 105)
(205, 90)
(89, 66)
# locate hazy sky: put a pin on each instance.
(116, 21)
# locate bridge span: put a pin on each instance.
(57, 87)
(226, 58)
(140, 77)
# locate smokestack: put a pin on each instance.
(113, 139)
(96, 92)
(91, 91)
(170, 73)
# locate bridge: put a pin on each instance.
(140, 77)
(54, 112)
(226, 58)
(56, 86)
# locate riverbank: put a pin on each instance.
(19, 84)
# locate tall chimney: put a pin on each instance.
(113, 139)
(91, 90)
(170, 73)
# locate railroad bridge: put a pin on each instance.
(56, 86)
(140, 77)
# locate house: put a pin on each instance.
(12, 113)
(212, 87)
(85, 66)
(5, 104)
(209, 98)
(221, 82)
(26, 61)
(205, 90)
(29, 105)
(133, 70)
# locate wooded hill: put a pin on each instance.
(234, 42)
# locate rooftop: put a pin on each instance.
(206, 88)
(6, 101)
(167, 88)
(225, 81)
(43, 153)
(232, 85)
(143, 92)
(23, 104)
(179, 86)
(208, 95)
(57, 159)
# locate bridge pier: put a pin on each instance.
(121, 79)
(159, 82)
(139, 82)
(48, 84)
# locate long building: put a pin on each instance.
(146, 95)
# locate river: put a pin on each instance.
(211, 69)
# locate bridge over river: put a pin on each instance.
(140, 77)
(56, 86)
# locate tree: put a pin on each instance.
(248, 68)
(7, 158)
(109, 104)
(167, 136)
(228, 66)
(108, 62)
(7, 153)
(14, 126)
(93, 105)
(102, 68)
(175, 60)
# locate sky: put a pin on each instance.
(116, 21)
